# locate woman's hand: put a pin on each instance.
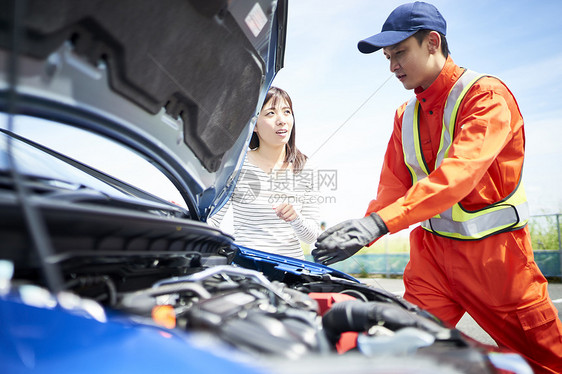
(286, 212)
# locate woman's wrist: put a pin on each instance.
(296, 221)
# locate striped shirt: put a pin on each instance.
(255, 196)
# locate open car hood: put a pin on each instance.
(185, 96)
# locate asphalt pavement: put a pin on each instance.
(466, 324)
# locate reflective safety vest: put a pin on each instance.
(509, 214)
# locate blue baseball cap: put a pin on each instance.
(404, 22)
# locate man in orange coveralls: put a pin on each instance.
(454, 164)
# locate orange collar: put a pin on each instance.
(440, 88)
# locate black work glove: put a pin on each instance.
(346, 238)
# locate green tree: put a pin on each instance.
(544, 231)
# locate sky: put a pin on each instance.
(344, 101)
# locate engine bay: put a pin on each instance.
(301, 317)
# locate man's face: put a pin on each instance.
(409, 61)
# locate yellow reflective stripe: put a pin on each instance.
(441, 144)
(419, 154)
(412, 173)
(461, 215)
(509, 214)
(460, 224)
(481, 234)
(408, 125)
(517, 198)
(453, 118)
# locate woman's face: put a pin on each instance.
(275, 123)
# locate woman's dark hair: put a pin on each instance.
(292, 153)
(420, 36)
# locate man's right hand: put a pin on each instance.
(346, 238)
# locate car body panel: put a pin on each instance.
(43, 339)
(277, 266)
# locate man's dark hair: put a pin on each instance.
(420, 36)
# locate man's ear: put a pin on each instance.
(433, 42)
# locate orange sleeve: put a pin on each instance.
(487, 121)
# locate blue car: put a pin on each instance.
(100, 274)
